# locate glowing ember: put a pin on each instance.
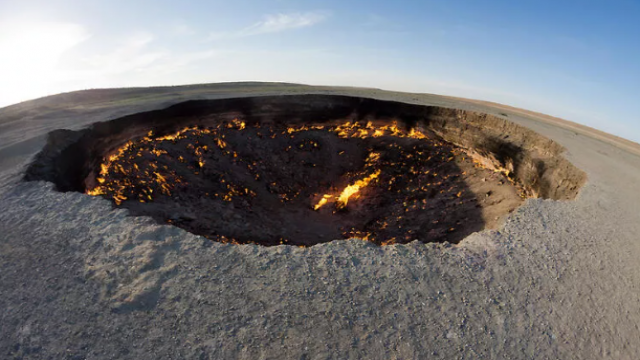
(322, 201)
(343, 199)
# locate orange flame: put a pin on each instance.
(343, 199)
(322, 201)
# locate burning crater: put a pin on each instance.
(303, 170)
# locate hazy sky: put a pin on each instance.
(577, 59)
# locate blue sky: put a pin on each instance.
(575, 59)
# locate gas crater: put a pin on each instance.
(304, 170)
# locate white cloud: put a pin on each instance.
(182, 29)
(375, 20)
(275, 23)
(133, 54)
(282, 22)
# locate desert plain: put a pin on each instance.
(80, 279)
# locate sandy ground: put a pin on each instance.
(79, 280)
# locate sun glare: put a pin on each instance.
(31, 58)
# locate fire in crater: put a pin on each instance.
(308, 169)
(272, 184)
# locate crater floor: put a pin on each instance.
(303, 185)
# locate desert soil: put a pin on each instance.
(81, 280)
